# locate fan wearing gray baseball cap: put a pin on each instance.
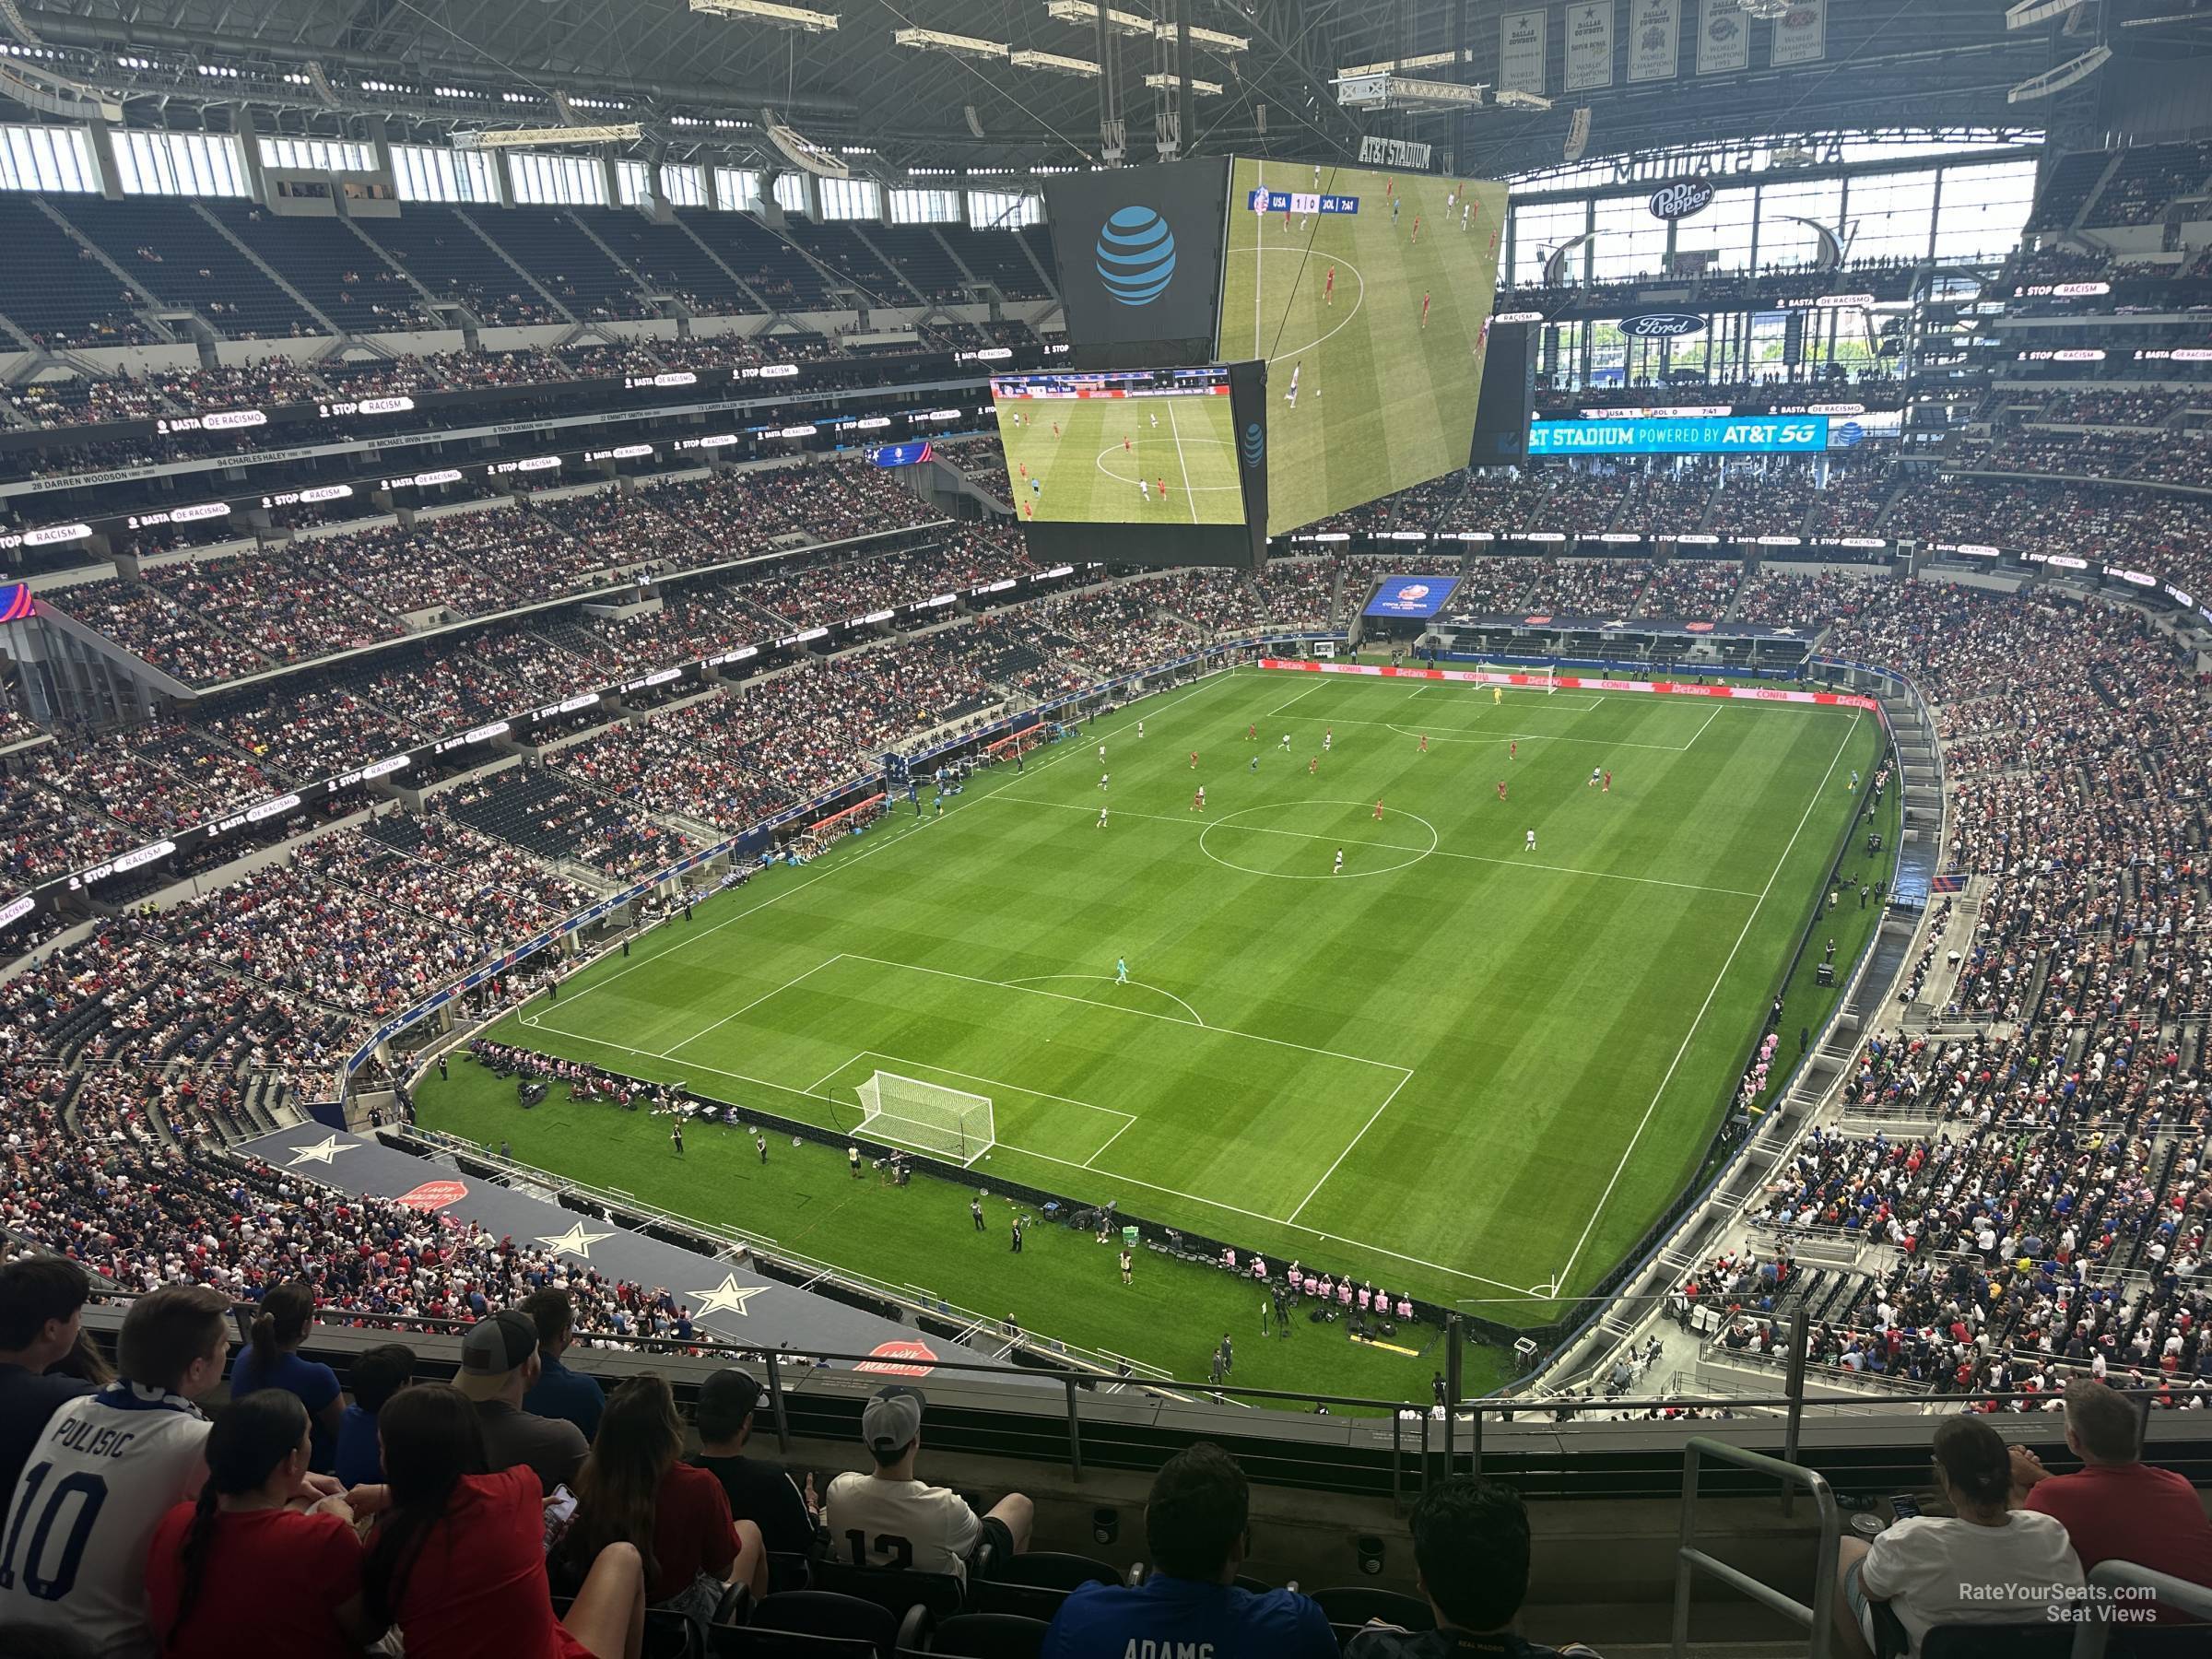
(888, 1502)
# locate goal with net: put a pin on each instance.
(945, 1123)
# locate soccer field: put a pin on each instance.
(1460, 1068)
(1383, 402)
(1088, 469)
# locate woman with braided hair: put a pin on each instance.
(243, 1557)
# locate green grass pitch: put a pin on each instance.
(1089, 468)
(1383, 402)
(1460, 1068)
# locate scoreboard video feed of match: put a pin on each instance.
(1368, 296)
(1155, 446)
(1138, 465)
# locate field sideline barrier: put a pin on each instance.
(1484, 677)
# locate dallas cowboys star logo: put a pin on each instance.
(322, 1152)
(729, 1297)
(575, 1241)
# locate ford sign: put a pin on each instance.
(1682, 198)
(1661, 325)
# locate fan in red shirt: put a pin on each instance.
(634, 1491)
(241, 1556)
(457, 1560)
(2117, 1507)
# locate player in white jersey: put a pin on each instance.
(1101, 818)
(1290, 396)
(1155, 421)
(1140, 728)
(1594, 772)
(1339, 869)
(1531, 847)
(104, 1471)
(1144, 489)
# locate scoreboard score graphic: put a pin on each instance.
(1302, 202)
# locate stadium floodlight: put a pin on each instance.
(1052, 60)
(1085, 14)
(1160, 83)
(1212, 40)
(2058, 80)
(769, 11)
(960, 46)
(525, 137)
(2029, 13)
(945, 1123)
(1512, 99)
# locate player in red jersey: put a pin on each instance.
(1514, 753)
(1608, 788)
(1193, 760)
(1424, 743)
(1328, 287)
(1424, 309)
(1378, 812)
(1313, 766)
(1198, 800)
(1416, 228)
(1501, 789)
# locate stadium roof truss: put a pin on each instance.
(692, 76)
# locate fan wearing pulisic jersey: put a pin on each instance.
(107, 1468)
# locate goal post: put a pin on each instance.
(945, 1123)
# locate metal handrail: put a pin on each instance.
(1690, 1560)
(2096, 1626)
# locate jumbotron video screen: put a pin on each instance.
(1149, 446)
(1368, 295)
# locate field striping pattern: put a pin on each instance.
(1383, 402)
(1477, 1082)
(1089, 471)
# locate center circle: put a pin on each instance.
(1355, 863)
(1359, 298)
(1195, 489)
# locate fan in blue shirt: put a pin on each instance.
(376, 1376)
(559, 1392)
(271, 1360)
(1196, 1527)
